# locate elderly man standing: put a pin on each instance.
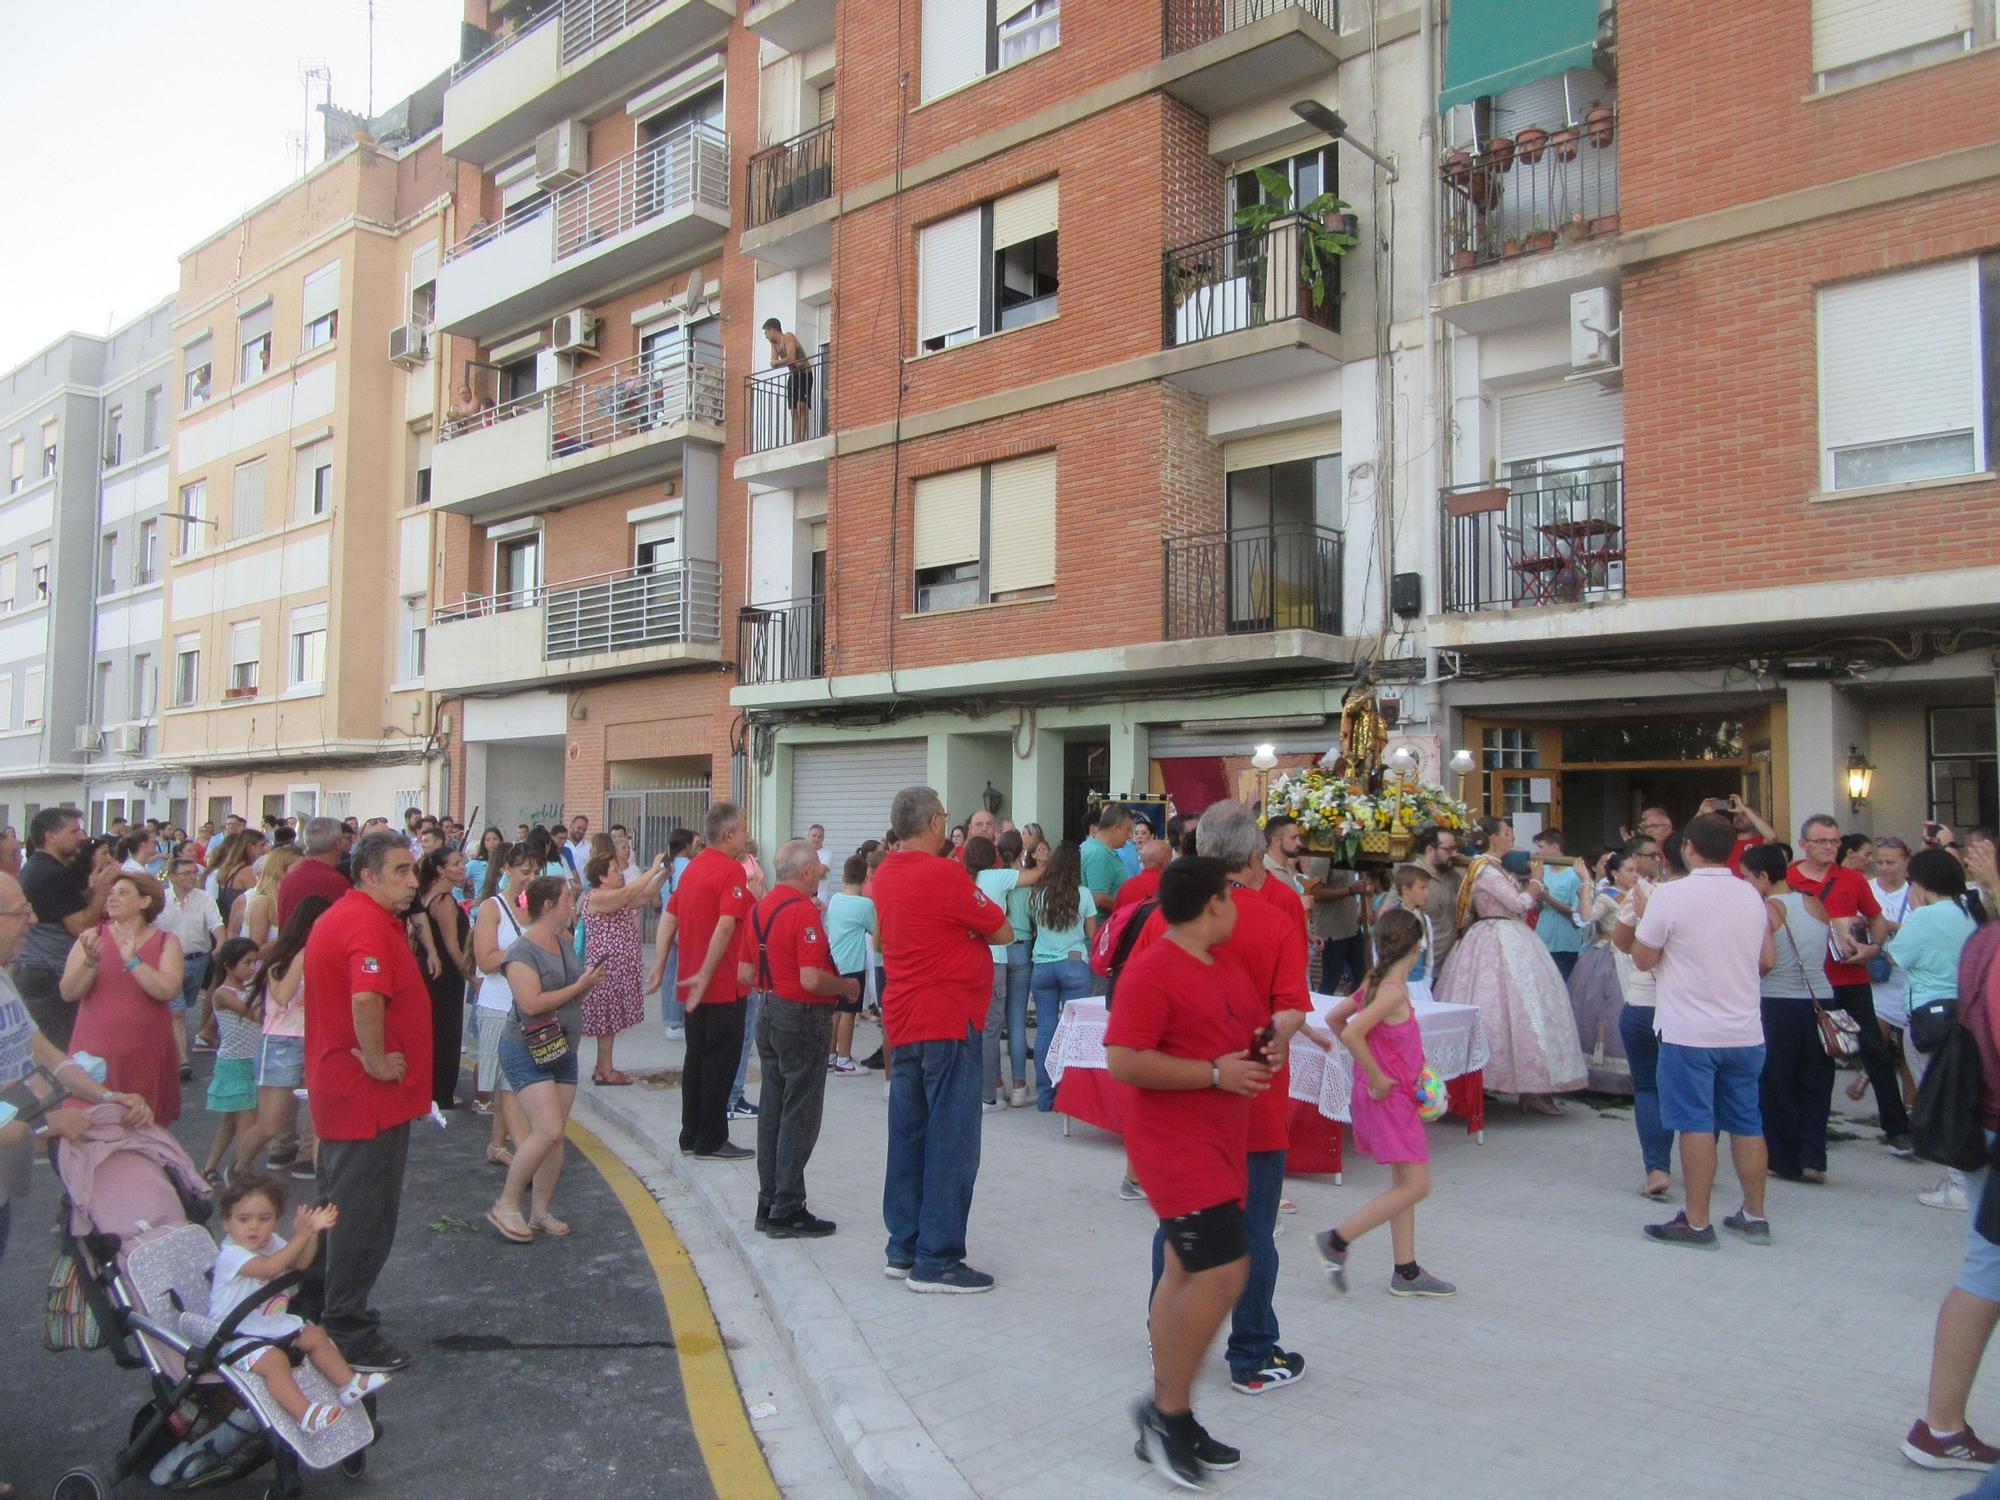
(368, 1070)
(191, 915)
(319, 873)
(938, 931)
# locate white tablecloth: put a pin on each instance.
(1454, 1044)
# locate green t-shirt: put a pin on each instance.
(1927, 947)
(1103, 870)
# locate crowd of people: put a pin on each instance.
(1713, 973)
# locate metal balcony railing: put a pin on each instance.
(1189, 23)
(781, 642)
(1243, 279)
(1556, 537)
(500, 44)
(655, 606)
(1531, 191)
(791, 175)
(638, 394)
(787, 406)
(1279, 577)
(585, 24)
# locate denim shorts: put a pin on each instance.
(281, 1062)
(518, 1067)
(1980, 1275)
(1706, 1089)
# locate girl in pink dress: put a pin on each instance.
(1377, 1024)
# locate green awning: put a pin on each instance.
(1495, 44)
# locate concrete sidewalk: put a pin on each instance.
(1578, 1359)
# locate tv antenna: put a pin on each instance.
(312, 70)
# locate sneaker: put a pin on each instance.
(1813, 1175)
(1130, 1191)
(676, 1033)
(802, 1225)
(201, 1044)
(874, 1060)
(1168, 1447)
(743, 1109)
(304, 1171)
(1423, 1284)
(727, 1151)
(1020, 1098)
(1279, 1370)
(988, 1106)
(1756, 1231)
(279, 1163)
(1900, 1145)
(960, 1280)
(845, 1067)
(1947, 1195)
(1677, 1231)
(896, 1272)
(1331, 1261)
(375, 1356)
(1958, 1450)
(187, 1073)
(1210, 1454)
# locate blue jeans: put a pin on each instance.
(1642, 1051)
(1052, 984)
(671, 1011)
(194, 970)
(933, 1152)
(1010, 1005)
(749, 1043)
(1253, 1324)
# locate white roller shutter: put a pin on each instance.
(948, 276)
(1314, 440)
(1570, 418)
(946, 524)
(424, 265)
(1022, 524)
(954, 45)
(1026, 215)
(1899, 355)
(848, 788)
(1005, 10)
(322, 293)
(1852, 31)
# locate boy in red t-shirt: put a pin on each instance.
(1183, 1033)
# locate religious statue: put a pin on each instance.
(1362, 735)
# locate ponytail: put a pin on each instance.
(1399, 932)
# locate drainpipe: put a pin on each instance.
(1436, 425)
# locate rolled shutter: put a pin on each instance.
(1021, 524)
(1315, 440)
(1005, 10)
(948, 276)
(954, 45)
(424, 265)
(1852, 31)
(1026, 215)
(947, 520)
(1571, 418)
(322, 293)
(255, 323)
(246, 498)
(847, 788)
(1899, 355)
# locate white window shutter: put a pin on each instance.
(948, 276)
(1574, 417)
(946, 529)
(322, 293)
(255, 323)
(1899, 355)
(954, 45)
(246, 498)
(1852, 31)
(1314, 440)
(1026, 215)
(1005, 10)
(1022, 524)
(424, 265)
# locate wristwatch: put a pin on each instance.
(1215, 1075)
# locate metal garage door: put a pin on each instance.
(848, 788)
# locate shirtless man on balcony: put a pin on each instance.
(789, 354)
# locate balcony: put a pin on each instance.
(1228, 53)
(1252, 581)
(791, 201)
(795, 25)
(638, 619)
(781, 642)
(564, 62)
(1534, 540)
(664, 202)
(1241, 305)
(1528, 220)
(785, 426)
(621, 422)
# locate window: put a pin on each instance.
(964, 40)
(114, 438)
(423, 447)
(1965, 784)
(321, 330)
(149, 419)
(247, 499)
(410, 637)
(1310, 173)
(148, 567)
(198, 367)
(518, 379)
(187, 670)
(307, 653)
(1900, 379)
(1024, 257)
(246, 647)
(193, 515)
(17, 466)
(314, 480)
(10, 581)
(319, 306)
(1025, 27)
(31, 697)
(107, 564)
(253, 343)
(1855, 40)
(39, 558)
(145, 685)
(220, 808)
(988, 268)
(985, 534)
(100, 699)
(948, 281)
(6, 713)
(517, 570)
(48, 447)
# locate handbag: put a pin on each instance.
(1931, 1023)
(544, 1038)
(1944, 1122)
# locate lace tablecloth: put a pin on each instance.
(1454, 1044)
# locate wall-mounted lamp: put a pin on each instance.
(1320, 117)
(992, 798)
(1860, 778)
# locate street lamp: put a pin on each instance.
(1462, 765)
(1860, 778)
(1265, 761)
(1320, 117)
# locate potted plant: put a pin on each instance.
(1320, 244)
(1598, 122)
(1573, 229)
(1541, 237)
(1510, 247)
(1500, 152)
(1458, 170)
(1563, 143)
(1463, 240)
(1529, 143)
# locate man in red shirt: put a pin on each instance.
(710, 901)
(1152, 859)
(1187, 1019)
(318, 874)
(936, 930)
(1856, 916)
(368, 1070)
(784, 958)
(1751, 830)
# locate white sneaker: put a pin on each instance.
(991, 1106)
(1947, 1195)
(1021, 1097)
(845, 1067)
(676, 1033)
(1130, 1191)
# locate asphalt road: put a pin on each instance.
(543, 1370)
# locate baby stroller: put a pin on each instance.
(133, 1207)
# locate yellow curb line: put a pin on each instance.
(736, 1465)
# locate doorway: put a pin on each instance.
(1086, 769)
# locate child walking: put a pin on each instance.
(253, 1254)
(1378, 1025)
(232, 1091)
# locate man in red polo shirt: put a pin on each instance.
(326, 843)
(1152, 859)
(1851, 907)
(709, 903)
(937, 932)
(368, 1072)
(785, 959)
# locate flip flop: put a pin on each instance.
(550, 1225)
(615, 1081)
(499, 1158)
(512, 1236)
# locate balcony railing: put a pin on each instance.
(1279, 577)
(1550, 538)
(652, 606)
(585, 24)
(1189, 23)
(781, 642)
(791, 175)
(787, 406)
(1243, 279)
(1532, 191)
(635, 395)
(501, 43)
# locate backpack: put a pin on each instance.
(1115, 940)
(1944, 1123)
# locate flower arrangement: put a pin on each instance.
(1341, 817)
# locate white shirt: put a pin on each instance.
(190, 920)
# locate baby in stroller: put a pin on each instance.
(253, 1254)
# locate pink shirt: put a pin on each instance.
(1710, 930)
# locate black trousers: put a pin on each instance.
(714, 1048)
(1858, 1000)
(447, 1037)
(41, 993)
(364, 1180)
(1796, 1091)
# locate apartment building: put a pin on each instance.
(1718, 402)
(300, 556)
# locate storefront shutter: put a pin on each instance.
(848, 789)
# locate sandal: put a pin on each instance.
(549, 1225)
(521, 1236)
(612, 1080)
(319, 1416)
(499, 1156)
(1657, 1194)
(362, 1386)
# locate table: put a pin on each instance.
(1321, 1083)
(1587, 546)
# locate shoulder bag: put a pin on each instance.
(543, 1036)
(1839, 1033)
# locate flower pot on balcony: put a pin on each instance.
(1530, 143)
(1458, 170)
(1540, 239)
(1604, 224)
(1563, 143)
(1509, 248)
(1598, 122)
(1573, 229)
(1500, 152)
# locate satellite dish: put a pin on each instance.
(695, 287)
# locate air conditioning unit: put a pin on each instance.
(562, 154)
(89, 739)
(1594, 329)
(409, 345)
(129, 739)
(574, 332)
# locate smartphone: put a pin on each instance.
(1261, 1043)
(1931, 830)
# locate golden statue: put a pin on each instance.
(1362, 735)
